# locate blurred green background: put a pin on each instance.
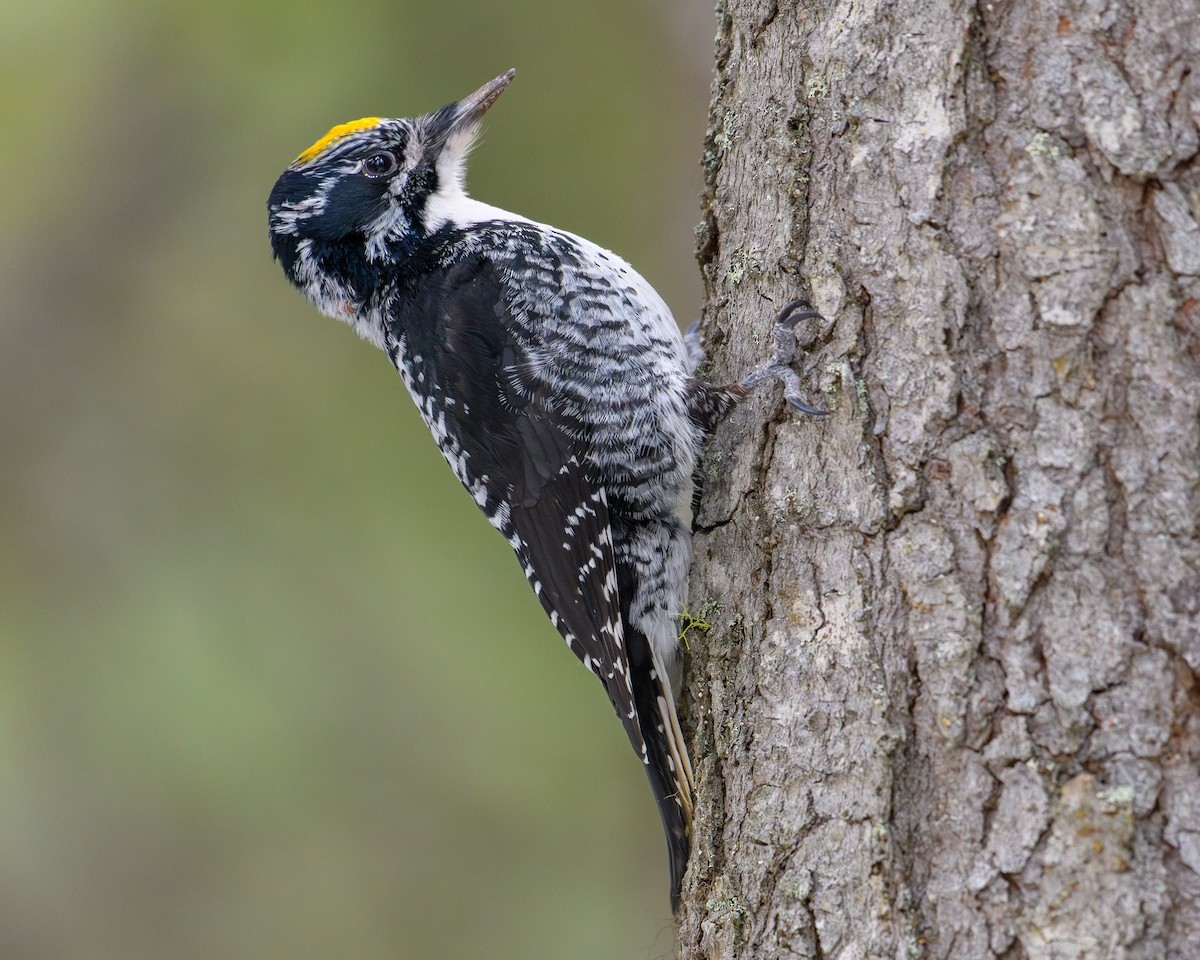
(269, 684)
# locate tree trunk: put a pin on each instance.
(947, 705)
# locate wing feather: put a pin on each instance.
(522, 458)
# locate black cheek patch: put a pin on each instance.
(291, 188)
(351, 205)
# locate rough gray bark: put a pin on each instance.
(947, 706)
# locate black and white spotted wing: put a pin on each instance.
(473, 374)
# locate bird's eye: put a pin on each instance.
(379, 165)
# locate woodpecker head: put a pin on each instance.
(375, 181)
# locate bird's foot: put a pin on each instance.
(780, 366)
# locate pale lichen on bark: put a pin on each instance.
(948, 706)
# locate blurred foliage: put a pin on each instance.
(269, 684)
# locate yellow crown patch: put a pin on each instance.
(340, 132)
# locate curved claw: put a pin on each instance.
(791, 313)
(804, 407)
(789, 316)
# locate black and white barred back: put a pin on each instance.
(569, 425)
(553, 379)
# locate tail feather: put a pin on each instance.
(669, 770)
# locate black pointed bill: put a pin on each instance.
(464, 116)
(470, 109)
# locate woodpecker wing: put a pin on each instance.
(474, 376)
